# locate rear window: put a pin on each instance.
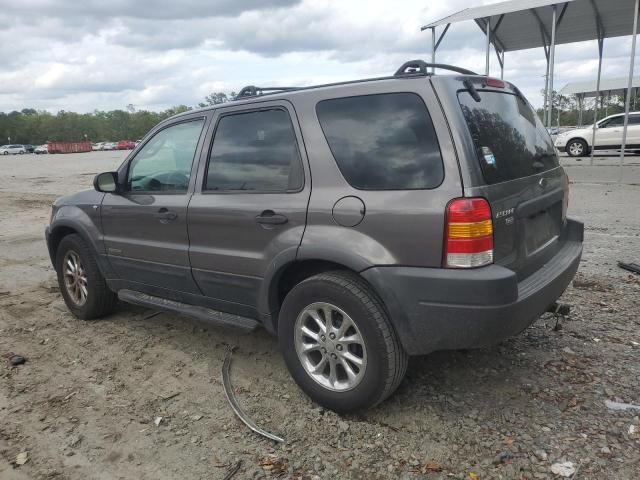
(383, 142)
(509, 138)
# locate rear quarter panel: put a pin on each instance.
(400, 227)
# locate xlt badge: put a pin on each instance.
(504, 213)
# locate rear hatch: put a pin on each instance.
(507, 157)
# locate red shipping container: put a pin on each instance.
(68, 147)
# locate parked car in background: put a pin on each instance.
(409, 239)
(110, 146)
(29, 148)
(12, 149)
(97, 146)
(41, 149)
(126, 145)
(578, 142)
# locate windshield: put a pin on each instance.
(509, 138)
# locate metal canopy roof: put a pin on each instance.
(607, 85)
(522, 24)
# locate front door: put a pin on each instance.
(145, 225)
(250, 202)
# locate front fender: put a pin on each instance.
(83, 220)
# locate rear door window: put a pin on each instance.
(508, 136)
(255, 151)
(383, 142)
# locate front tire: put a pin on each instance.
(338, 343)
(83, 288)
(577, 148)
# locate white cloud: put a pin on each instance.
(54, 55)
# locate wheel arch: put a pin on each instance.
(582, 139)
(294, 270)
(64, 227)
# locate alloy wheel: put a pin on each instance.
(576, 148)
(75, 278)
(330, 347)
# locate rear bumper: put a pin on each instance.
(440, 309)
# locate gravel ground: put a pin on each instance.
(87, 402)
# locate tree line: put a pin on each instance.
(566, 109)
(30, 126)
(35, 127)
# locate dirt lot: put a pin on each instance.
(84, 404)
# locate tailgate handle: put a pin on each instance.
(540, 203)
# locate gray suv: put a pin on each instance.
(360, 222)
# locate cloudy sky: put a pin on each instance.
(98, 54)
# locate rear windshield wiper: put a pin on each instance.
(472, 90)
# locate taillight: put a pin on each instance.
(469, 233)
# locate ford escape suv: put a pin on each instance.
(361, 222)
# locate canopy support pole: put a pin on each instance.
(488, 45)
(552, 50)
(595, 104)
(433, 48)
(435, 44)
(629, 84)
(580, 106)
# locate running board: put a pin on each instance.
(201, 313)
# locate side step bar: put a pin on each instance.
(201, 313)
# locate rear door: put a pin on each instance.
(507, 157)
(250, 203)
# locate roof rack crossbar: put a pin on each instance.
(251, 90)
(420, 67)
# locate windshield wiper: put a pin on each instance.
(472, 90)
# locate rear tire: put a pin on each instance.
(577, 147)
(370, 363)
(82, 285)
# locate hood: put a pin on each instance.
(80, 198)
(576, 131)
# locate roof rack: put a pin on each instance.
(419, 67)
(252, 91)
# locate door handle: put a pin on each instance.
(165, 215)
(269, 217)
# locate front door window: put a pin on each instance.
(164, 162)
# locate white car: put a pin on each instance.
(41, 149)
(13, 149)
(608, 136)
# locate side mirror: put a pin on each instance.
(106, 182)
